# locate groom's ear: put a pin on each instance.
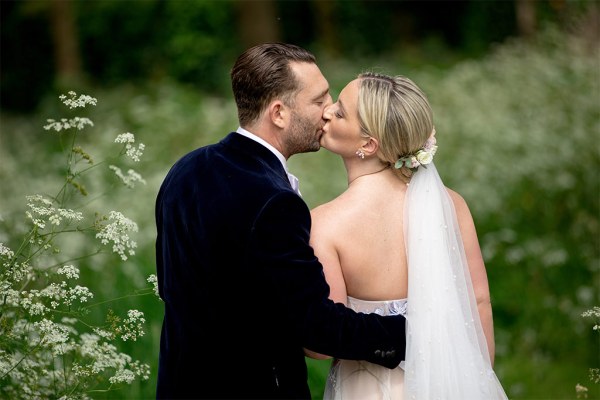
(278, 113)
(371, 146)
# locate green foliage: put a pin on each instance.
(520, 131)
(187, 40)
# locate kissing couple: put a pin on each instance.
(387, 279)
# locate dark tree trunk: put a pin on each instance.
(66, 49)
(324, 10)
(258, 22)
(526, 17)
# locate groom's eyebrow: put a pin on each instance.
(322, 94)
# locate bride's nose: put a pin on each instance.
(328, 112)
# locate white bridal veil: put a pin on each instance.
(446, 354)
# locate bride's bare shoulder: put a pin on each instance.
(334, 210)
(455, 196)
(325, 211)
(323, 227)
(460, 205)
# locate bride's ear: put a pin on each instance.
(371, 146)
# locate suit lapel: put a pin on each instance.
(256, 151)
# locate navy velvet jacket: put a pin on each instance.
(242, 288)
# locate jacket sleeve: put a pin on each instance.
(280, 242)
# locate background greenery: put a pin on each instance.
(517, 114)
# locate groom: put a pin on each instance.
(244, 293)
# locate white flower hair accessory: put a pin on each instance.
(422, 157)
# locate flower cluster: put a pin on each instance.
(42, 211)
(39, 326)
(49, 346)
(594, 373)
(130, 179)
(422, 157)
(72, 101)
(117, 232)
(129, 139)
(64, 123)
(593, 313)
(154, 281)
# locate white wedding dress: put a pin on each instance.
(362, 380)
(446, 351)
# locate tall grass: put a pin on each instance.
(518, 137)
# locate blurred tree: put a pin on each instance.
(195, 41)
(66, 42)
(199, 42)
(257, 22)
(123, 41)
(326, 29)
(526, 17)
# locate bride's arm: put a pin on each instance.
(476, 269)
(321, 240)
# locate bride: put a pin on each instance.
(398, 241)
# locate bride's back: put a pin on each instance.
(365, 227)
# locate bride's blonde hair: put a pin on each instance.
(395, 112)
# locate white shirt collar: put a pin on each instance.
(293, 179)
(273, 150)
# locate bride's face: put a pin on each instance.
(342, 133)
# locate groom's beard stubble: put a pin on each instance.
(304, 136)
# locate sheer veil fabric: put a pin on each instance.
(447, 355)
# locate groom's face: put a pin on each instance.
(306, 124)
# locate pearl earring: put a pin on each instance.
(360, 154)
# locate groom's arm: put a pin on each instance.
(280, 241)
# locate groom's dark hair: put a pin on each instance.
(261, 74)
